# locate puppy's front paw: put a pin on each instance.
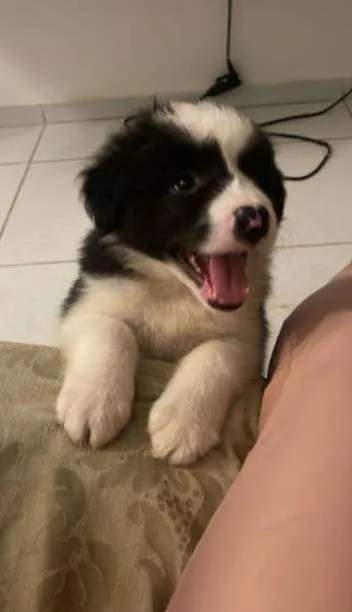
(92, 412)
(178, 434)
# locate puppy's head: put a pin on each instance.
(194, 185)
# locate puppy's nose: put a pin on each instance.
(251, 223)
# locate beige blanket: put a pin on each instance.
(95, 531)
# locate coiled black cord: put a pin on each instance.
(316, 141)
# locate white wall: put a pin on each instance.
(64, 50)
(293, 40)
(60, 50)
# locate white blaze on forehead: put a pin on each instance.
(205, 120)
(232, 131)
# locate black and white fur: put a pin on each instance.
(132, 296)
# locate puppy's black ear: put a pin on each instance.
(101, 189)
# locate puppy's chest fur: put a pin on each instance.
(167, 320)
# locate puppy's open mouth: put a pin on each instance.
(221, 279)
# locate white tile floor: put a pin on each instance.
(42, 220)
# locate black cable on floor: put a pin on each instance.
(323, 111)
(231, 79)
(316, 141)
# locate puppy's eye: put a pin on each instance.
(185, 183)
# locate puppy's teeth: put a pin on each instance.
(195, 265)
(193, 261)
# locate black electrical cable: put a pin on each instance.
(231, 79)
(323, 111)
(228, 82)
(228, 31)
(316, 141)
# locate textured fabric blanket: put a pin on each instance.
(97, 531)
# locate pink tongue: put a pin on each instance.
(226, 282)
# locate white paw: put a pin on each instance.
(177, 432)
(92, 411)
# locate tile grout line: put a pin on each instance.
(60, 160)
(120, 117)
(24, 176)
(316, 245)
(88, 120)
(28, 264)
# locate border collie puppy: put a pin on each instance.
(186, 201)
